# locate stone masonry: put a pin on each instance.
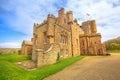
(64, 36)
(26, 48)
(10, 50)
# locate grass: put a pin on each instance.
(13, 57)
(113, 51)
(10, 71)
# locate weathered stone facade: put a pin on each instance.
(64, 36)
(26, 48)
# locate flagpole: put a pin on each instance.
(88, 16)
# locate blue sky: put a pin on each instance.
(18, 16)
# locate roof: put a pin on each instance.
(27, 42)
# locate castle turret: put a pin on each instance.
(61, 12)
(50, 24)
(61, 16)
(93, 26)
(69, 16)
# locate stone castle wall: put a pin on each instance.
(10, 50)
(49, 56)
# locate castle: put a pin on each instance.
(62, 36)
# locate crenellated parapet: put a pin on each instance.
(36, 25)
(51, 16)
(89, 27)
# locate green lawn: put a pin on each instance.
(10, 71)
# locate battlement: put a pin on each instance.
(89, 26)
(61, 11)
(64, 18)
(51, 16)
(69, 12)
(36, 24)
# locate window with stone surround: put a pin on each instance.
(67, 52)
(45, 37)
(82, 42)
(64, 20)
(77, 42)
(63, 39)
(61, 53)
(35, 39)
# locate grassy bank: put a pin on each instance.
(113, 51)
(10, 71)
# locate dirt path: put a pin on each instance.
(91, 68)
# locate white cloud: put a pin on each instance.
(105, 12)
(26, 12)
(10, 45)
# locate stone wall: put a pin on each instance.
(59, 32)
(76, 31)
(10, 50)
(49, 56)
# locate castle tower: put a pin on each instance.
(69, 16)
(61, 16)
(86, 26)
(93, 26)
(61, 12)
(50, 31)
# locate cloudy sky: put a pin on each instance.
(18, 16)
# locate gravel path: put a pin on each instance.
(91, 68)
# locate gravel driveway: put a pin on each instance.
(91, 68)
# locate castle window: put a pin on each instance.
(63, 39)
(64, 20)
(35, 40)
(95, 42)
(68, 17)
(45, 37)
(61, 53)
(66, 52)
(82, 42)
(77, 42)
